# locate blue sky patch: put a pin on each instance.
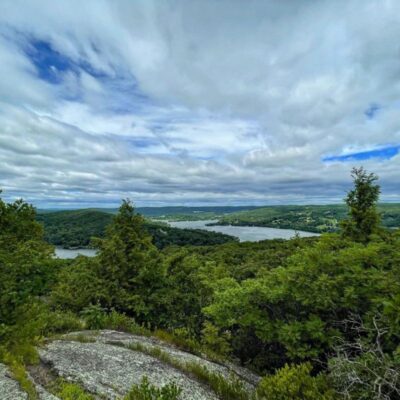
(372, 110)
(382, 153)
(48, 62)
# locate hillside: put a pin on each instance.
(170, 212)
(76, 228)
(312, 317)
(311, 218)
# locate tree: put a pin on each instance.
(363, 219)
(129, 266)
(26, 266)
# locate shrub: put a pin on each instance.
(69, 391)
(146, 391)
(94, 316)
(294, 383)
(215, 341)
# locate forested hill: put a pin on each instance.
(311, 218)
(191, 213)
(317, 318)
(173, 212)
(76, 228)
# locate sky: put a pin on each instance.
(197, 102)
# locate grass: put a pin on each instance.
(81, 338)
(17, 368)
(68, 390)
(225, 389)
(146, 391)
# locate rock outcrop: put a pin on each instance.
(107, 364)
(9, 389)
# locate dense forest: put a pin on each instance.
(75, 229)
(310, 218)
(318, 318)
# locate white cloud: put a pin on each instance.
(198, 101)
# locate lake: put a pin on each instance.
(244, 233)
(72, 253)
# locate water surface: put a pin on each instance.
(72, 253)
(244, 233)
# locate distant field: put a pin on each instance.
(311, 218)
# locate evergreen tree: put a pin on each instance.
(363, 219)
(129, 265)
(25, 260)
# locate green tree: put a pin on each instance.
(363, 219)
(129, 266)
(26, 266)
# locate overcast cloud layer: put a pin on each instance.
(197, 102)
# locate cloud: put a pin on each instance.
(182, 102)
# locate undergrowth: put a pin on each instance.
(68, 390)
(226, 389)
(146, 391)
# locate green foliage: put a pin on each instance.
(269, 304)
(146, 391)
(294, 311)
(214, 340)
(362, 201)
(26, 267)
(164, 236)
(96, 317)
(78, 285)
(310, 218)
(129, 267)
(294, 383)
(19, 373)
(69, 391)
(77, 228)
(226, 389)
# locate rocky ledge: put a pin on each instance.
(108, 363)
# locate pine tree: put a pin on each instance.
(129, 265)
(363, 218)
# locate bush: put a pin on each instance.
(68, 390)
(94, 316)
(146, 391)
(294, 383)
(215, 341)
